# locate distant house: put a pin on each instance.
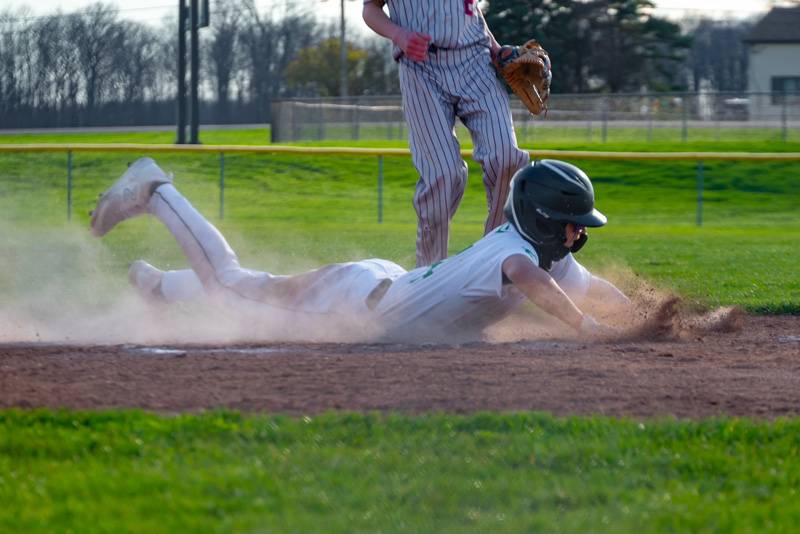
(774, 66)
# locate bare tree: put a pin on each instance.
(378, 74)
(270, 45)
(296, 32)
(57, 65)
(135, 64)
(10, 87)
(64, 68)
(165, 61)
(260, 42)
(96, 35)
(222, 54)
(719, 54)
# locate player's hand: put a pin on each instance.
(413, 44)
(592, 329)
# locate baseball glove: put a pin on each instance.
(526, 69)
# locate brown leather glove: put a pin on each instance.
(526, 69)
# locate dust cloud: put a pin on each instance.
(654, 314)
(65, 286)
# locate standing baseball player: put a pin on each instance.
(444, 50)
(550, 205)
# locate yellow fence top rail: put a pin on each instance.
(353, 151)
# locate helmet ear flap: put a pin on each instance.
(548, 230)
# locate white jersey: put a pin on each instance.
(460, 296)
(451, 23)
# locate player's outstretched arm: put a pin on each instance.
(413, 44)
(542, 290)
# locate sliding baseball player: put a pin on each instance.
(549, 208)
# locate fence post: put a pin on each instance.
(69, 185)
(605, 120)
(357, 122)
(784, 133)
(320, 122)
(222, 185)
(380, 189)
(295, 134)
(684, 117)
(699, 193)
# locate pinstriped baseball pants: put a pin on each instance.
(456, 83)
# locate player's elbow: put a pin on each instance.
(523, 273)
(369, 10)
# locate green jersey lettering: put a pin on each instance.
(429, 272)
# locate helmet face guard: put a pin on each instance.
(546, 196)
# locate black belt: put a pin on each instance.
(432, 48)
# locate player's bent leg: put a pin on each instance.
(437, 157)
(208, 253)
(155, 285)
(146, 280)
(128, 196)
(485, 111)
(499, 158)
(435, 202)
(181, 285)
(498, 169)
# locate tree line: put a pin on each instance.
(92, 68)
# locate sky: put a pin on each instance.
(153, 11)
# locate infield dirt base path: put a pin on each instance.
(752, 372)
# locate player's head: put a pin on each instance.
(545, 196)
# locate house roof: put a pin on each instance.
(780, 25)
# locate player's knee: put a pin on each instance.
(509, 160)
(431, 221)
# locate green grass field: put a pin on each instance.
(530, 135)
(545, 133)
(133, 472)
(128, 471)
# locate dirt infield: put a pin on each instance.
(751, 372)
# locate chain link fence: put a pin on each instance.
(771, 117)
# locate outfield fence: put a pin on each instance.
(590, 118)
(380, 154)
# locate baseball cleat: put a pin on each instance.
(146, 280)
(128, 196)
